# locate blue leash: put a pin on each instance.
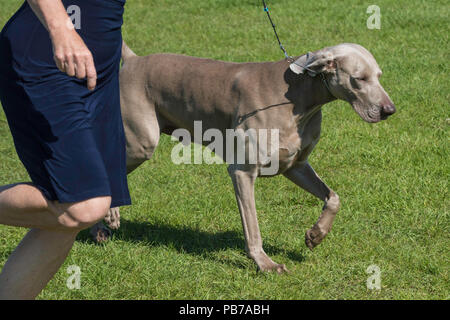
(266, 9)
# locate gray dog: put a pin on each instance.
(164, 92)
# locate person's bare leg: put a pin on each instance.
(34, 262)
(45, 247)
(24, 205)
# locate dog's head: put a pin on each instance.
(352, 75)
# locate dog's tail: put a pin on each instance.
(126, 52)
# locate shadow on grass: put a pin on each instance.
(187, 240)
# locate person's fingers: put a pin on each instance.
(74, 58)
(91, 73)
(80, 67)
(69, 66)
(59, 60)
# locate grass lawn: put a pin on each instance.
(182, 238)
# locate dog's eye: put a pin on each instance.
(355, 83)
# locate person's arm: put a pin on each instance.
(71, 54)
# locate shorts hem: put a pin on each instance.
(121, 203)
(85, 196)
(74, 197)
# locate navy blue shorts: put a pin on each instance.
(70, 140)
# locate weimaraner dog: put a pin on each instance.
(163, 92)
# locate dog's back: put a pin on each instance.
(201, 89)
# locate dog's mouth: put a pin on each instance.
(370, 114)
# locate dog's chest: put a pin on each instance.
(299, 143)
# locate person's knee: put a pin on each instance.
(84, 214)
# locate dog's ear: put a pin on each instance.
(314, 63)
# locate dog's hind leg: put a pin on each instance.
(142, 134)
(304, 176)
(244, 182)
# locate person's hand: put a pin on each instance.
(73, 57)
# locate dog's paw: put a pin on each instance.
(314, 236)
(112, 219)
(278, 268)
(265, 264)
(100, 233)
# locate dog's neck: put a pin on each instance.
(320, 93)
(306, 93)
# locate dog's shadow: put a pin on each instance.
(206, 245)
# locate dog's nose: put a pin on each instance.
(388, 109)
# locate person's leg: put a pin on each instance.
(45, 247)
(34, 262)
(23, 205)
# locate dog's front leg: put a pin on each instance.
(305, 177)
(244, 182)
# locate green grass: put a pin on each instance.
(182, 238)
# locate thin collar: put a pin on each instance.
(324, 80)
